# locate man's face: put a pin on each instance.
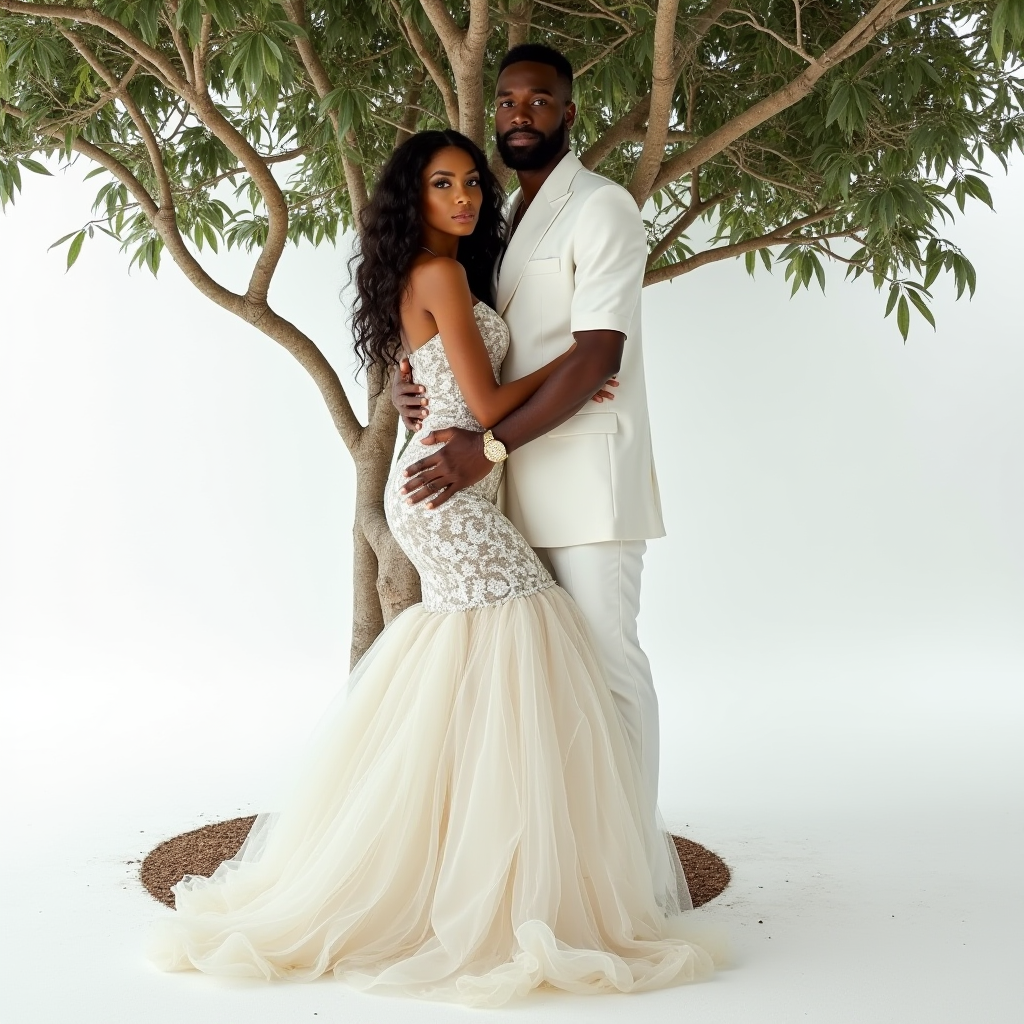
(533, 115)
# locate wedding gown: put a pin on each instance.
(468, 821)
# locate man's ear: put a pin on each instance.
(570, 114)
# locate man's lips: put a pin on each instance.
(522, 137)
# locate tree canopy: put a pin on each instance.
(790, 124)
(799, 131)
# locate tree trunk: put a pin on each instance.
(385, 582)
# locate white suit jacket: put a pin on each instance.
(576, 263)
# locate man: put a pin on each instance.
(580, 482)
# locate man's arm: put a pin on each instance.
(412, 401)
(461, 462)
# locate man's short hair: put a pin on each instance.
(537, 53)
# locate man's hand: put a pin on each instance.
(408, 398)
(460, 463)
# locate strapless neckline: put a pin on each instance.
(431, 340)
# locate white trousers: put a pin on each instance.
(604, 580)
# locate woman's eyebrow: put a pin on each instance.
(447, 174)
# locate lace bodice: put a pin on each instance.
(467, 553)
(430, 368)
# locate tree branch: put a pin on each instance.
(693, 211)
(88, 16)
(663, 85)
(624, 129)
(448, 31)
(465, 52)
(139, 120)
(882, 14)
(750, 21)
(410, 109)
(179, 43)
(519, 28)
(606, 52)
(355, 180)
(780, 236)
(701, 26)
(926, 10)
(199, 55)
(430, 62)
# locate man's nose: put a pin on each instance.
(521, 115)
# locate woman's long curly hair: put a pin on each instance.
(391, 240)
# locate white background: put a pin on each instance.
(836, 621)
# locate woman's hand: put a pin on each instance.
(603, 395)
(409, 398)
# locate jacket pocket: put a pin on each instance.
(587, 423)
(550, 266)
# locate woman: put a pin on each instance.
(468, 824)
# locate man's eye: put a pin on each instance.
(540, 103)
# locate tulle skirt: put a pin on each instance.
(467, 824)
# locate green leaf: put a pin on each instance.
(34, 166)
(894, 294)
(903, 317)
(74, 249)
(999, 23)
(63, 239)
(921, 306)
(977, 188)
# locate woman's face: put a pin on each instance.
(451, 192)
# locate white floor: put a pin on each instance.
(876, 844)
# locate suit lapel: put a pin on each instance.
(546, 206)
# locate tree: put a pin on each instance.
(804, 130)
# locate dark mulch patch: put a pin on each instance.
(201, 851)
(707, 874)
(192, 853)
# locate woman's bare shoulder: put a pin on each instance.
(440, 278)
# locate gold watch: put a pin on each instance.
(493, 448)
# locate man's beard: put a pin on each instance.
(534, 157)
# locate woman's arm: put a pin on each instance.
(441, 288)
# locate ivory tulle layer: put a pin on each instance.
(467, 826)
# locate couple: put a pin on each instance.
(476, 817)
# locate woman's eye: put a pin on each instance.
(473, 183)
(442, 184)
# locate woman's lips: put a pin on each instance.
(464, 216)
